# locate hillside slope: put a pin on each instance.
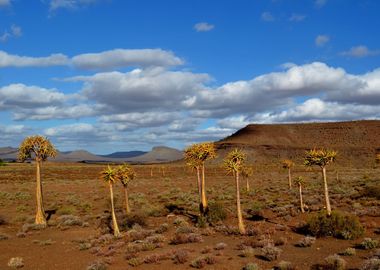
(356, 141)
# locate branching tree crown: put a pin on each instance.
(125, 174)
(234, 162)
(246, 171)
(196, 154)
(38, 146)
(109, 175)
(320, 157)
(287, 164)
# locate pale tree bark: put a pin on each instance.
(239, 213)
(204, 206)
(289, 178)
(116, 231)
(127, 208)
(327, 198)
(40, 214)
(301, 199)
(151, 172)
(247, 183)
(199, 183)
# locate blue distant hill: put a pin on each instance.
(128, 154)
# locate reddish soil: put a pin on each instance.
(77, 189)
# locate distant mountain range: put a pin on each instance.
(156, 155)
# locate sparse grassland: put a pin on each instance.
(164, 230)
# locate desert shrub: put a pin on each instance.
(227, 230)
(98, 265)
(338, 225)
(220, 246)
(16, 262)
(335, 262)
(216, 212)
(135, 262)
(146, 246)
(181, 238)
(180, 256)
(371, 264)
(270, 253)
(206, 250)
(69, 220)
(307, 241)
(202, 222)
(162, 228)
(251, 266)
(180, 221)
(130, 220)
(280, 241)
(202, 261)
(252, 231)
(185, 229)
(348, 252)
(368, 243)
(283, 265)
(2, 163)
(139, 234)
(153, 258)
(85, 246)
(247, 252)
(154, 239)
(31, 227)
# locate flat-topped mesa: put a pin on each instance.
(356, 141)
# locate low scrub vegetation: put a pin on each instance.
(339, 225)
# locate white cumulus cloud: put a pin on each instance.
(124, 58)
(203, 27)
(360, 51)
(12, 60)
(322, 40)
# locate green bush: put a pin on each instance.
(338, 225)
(368, 243)
(2, 163)
(216, 212)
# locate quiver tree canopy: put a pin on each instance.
(37, 147)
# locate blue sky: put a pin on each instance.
(112, 75)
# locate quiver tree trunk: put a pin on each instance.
(203, 206)
(301, 199)
(238, 207)
(116, 231)
(199, 183)
(40, 214)
(127, 208)
(327, 198)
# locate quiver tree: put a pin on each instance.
(300, 182)
(288, 164)
(234, 163)
(246, 173)
(109, 176)
(125, 174)
(196, 155)
(321, 158)
(39, 148)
